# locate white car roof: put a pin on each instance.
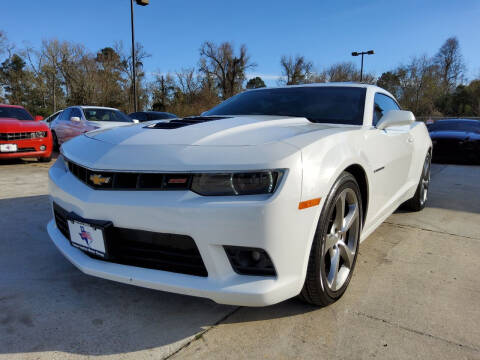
(373, 88)
(343, 84)
(96, 107)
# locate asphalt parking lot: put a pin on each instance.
(414, 295)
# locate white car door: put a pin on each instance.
(390, 154)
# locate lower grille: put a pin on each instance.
(26, 149)
(146, 249)
(61, 220)
(169, 252)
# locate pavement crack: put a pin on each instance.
(200, 334)
(430, 230)
(418, 332)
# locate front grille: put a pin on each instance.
(20, 135)
(145, 249)
(129, 180)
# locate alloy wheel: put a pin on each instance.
(425, 181)
(341, 240)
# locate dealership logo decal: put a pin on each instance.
(98, 179)
(85, 235)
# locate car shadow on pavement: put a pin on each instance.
(46, 304)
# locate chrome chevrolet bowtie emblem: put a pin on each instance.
(98, 179)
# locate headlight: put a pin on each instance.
(241, 183)
(40, 134)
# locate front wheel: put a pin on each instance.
(419, 200)
(335, 244)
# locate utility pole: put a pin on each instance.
(369, 52)
(134, 65)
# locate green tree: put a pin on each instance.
(255, 83)
(390, 82)
(15, 79)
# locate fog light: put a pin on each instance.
(43, 147)
(250, 261)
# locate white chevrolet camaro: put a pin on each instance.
(265, 197)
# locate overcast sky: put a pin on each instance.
(324, 32)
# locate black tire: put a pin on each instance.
(56, 146)
(45, 159)
(317, 290)
(420, 198)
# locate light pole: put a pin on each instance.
(369, 52)
(134, 70)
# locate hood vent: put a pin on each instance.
(178, 123)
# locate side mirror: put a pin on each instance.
(75, 119)
(396, 118)
(135, 121)
(38, 118)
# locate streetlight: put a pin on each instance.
(134, 70)
(369, 52)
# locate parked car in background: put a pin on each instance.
(52, 117)
(264, 197)
(456, 140)
(77, 120)
(143, 116)
(22, 136)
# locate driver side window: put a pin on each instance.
(382, 104)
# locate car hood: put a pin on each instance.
(228, 131)
(15, 125)
(235, 143)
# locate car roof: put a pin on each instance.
(373, 88)
(95, 107)
(326, 84)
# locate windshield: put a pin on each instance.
(442, 125)
(93, 114)
(14, 113)
(326, 104)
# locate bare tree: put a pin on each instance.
(5, 46)
(188, 81)
(227, 68)
(450, 63)
(345, 72)
(296, 70)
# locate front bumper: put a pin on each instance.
(271, 223)
(28, 148)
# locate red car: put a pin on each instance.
(21, 136)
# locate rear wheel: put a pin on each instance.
(335, 245)
(419, 200)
